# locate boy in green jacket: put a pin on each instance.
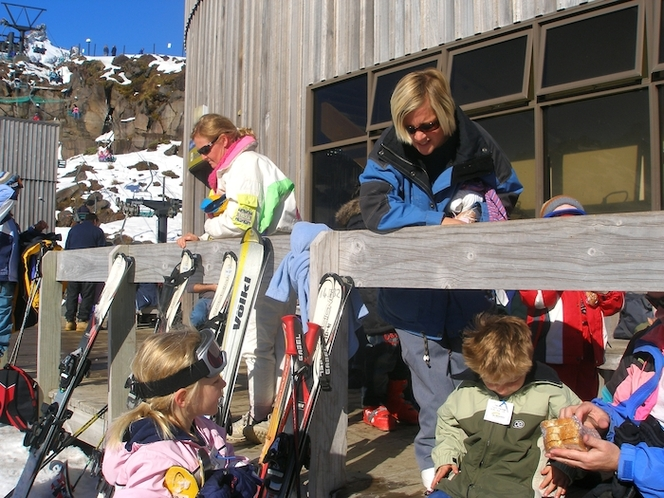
(488, 436)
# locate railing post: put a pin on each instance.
(121, 342)
(49, 333)
(327, 470)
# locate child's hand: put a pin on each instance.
(443, 471)
(555, 482)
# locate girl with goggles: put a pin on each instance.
(176, 381)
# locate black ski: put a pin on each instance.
(310, 373)
(172, 289)
(43, 437)
(254, 254)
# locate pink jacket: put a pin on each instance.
(138, 471)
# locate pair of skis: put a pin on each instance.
(175, 285)
(45, 436)
(172, 289)
(306, 372)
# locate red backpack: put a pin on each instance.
(18, 398)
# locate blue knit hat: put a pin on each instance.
(553, 207)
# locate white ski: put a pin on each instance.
(45, 434)
(254, 253)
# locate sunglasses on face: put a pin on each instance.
(424, 127)
(205, 150)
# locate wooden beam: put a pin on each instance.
(601, 252)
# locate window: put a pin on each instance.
(515, 133)
(340, 110)
(598, 151)
(598, 49)
(492, 74)
(335, 179)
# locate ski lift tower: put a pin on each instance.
(21, 28)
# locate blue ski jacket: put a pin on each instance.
(631, 395)
(395, 192)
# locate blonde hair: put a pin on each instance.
(160, 356)
(499, 348)
(418, 88)
(212, 126)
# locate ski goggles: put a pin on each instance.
(210, 362)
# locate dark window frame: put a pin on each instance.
(582, 86)
(512, 100)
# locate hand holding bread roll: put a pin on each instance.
(563, 433)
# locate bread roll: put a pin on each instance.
(562, 433)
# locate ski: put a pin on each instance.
(172, 289)
(308, 358)
(254, 254)
(222, 296)
(43, 437)
(61, 486)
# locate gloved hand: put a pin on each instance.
(236, 482)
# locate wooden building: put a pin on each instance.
(30, 149)
(571, 89)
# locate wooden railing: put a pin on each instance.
(606, 252)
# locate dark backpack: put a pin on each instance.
(18, 398)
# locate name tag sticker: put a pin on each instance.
(499, 412)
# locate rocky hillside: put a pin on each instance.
(140, 98)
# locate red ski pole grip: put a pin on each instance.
(311, 338)
(288, 324)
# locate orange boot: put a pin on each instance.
(379, 417)
(398, 407)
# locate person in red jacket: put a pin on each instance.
(568, 326)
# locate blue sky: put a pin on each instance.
(128, 24)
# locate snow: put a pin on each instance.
(131, 184)
(15, 455)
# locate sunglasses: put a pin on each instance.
(205, 150)
(424, 127)
(210, 361)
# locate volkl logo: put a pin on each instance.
(244, 293)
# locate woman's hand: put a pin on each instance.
(182, 240)
(602, 456)
(447, 220)
(588, 414)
